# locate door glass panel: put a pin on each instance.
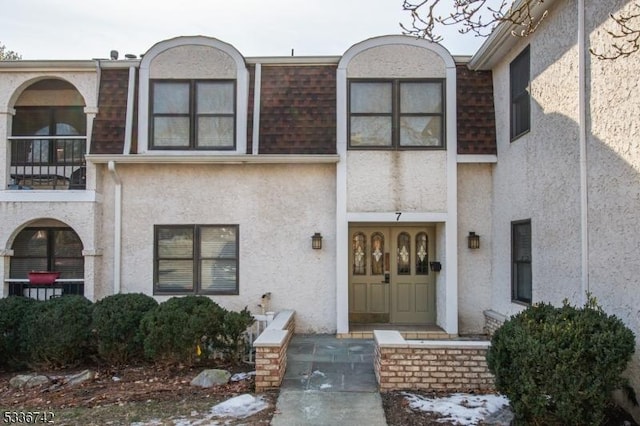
(404, 254)
(359, 254)
(422, 254)
(377, 254)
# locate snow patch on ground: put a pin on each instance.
(240, 407)
(460, 408)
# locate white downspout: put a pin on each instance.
(584, 194)
(117, 228)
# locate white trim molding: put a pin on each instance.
(343, 217)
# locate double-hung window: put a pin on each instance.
(521, 285)
(193, 114)
(396, 114)
(519, 79)
(196, 259)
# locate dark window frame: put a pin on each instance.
(516, 264)
(196, 288)
(396, 115)
(519, 96)
(193, 115)
(53, 112)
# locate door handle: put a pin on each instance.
(386, 278)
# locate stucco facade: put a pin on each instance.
(292, 170)
(575, 173)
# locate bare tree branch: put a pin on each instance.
(626, 37)
(478, 17)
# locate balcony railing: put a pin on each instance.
(62, 287)
(56, 162)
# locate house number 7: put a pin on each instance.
(398, 214)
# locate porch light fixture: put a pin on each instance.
(316, 241)
(474, 240)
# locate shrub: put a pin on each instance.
(231, 340)
(182, 329)
(116, 326)
(13, 310)
(560, 365)
(57, 333)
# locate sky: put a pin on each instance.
(87, 29)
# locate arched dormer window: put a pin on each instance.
(193, 97)
(392, 94)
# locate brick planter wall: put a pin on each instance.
(493, 321)
(271, 351)
(453, 365)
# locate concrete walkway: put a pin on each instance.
(329, 381)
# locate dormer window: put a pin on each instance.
(193, 114)
(396, 114)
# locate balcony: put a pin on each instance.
(54, 163)
(61, 287)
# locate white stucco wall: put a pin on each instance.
(537, 175)
(23, 208)
(193, 62)
(613, 148)
(407, 181)
(474, 266)
(277, 207)
(397, 61)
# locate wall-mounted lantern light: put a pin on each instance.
(474, 240)
(316, 241)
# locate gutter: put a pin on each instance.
(215, 159)
(117, 228)
(502, 40)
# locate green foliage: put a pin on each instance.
(233, 327)
(13, 310)
(560, 365)
(182, 329)
(57, 333)
(116, 326)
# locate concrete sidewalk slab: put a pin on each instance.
(297, 407)
(329, 381)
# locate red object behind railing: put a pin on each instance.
(43, 277)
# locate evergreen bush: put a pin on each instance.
(57, 332)
(182, 329)
(231, 339)
(560, 365)
(116, 326)
(13, 310)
